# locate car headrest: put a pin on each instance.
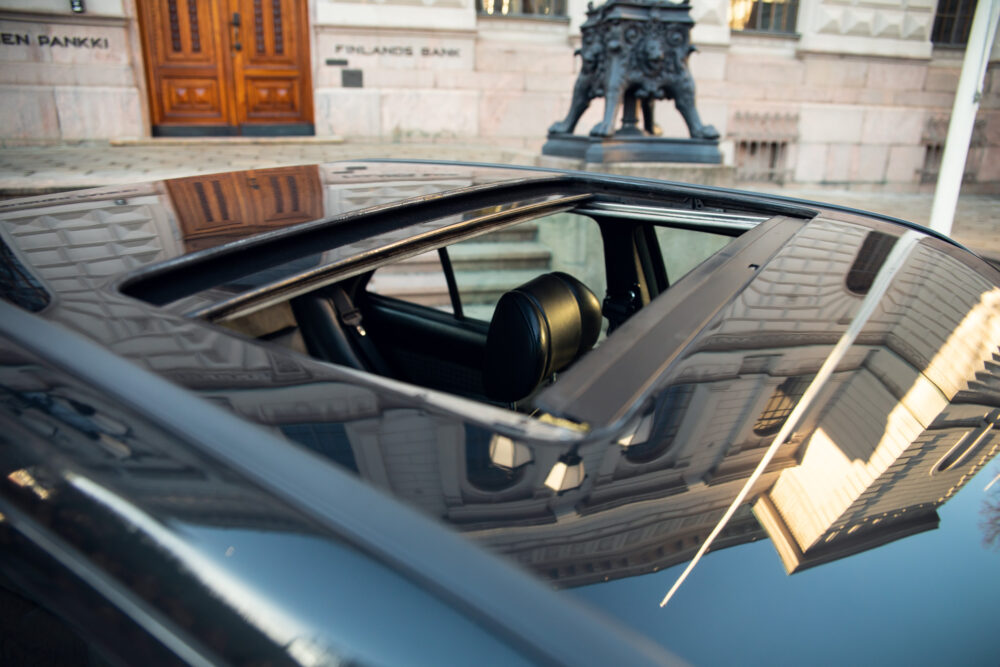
(538, 329)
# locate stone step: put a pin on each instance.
(987, 378)
(479, 256)
(430, 289)
(525, 231)
(981, 388)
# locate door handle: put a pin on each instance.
(236, 32)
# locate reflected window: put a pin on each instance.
(669, 414)
(17, 285)
(780, 405)
(868, 261)
(479, 467)
(554, 8)
(952, 22)
(764, 15)
(326, 438)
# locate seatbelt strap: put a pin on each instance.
(350, 317)
(349, 314)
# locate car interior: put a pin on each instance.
(486, 323)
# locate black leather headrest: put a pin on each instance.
(538, 329)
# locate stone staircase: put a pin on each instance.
(988, 380)
(485, 267)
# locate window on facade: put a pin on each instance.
(521, 7)
(933, 138)
(763, 139)
(479, 467)
(764, 15)
(670, 412)
(780, 405)
(952, 22)
(870, 258)
(327, 438)
(762, 161)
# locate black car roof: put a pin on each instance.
(927, 367)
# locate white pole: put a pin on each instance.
(963, 114)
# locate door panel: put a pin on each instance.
(220, 208)
(227, 66)
(185, 66)
(271, 71)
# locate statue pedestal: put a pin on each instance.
(626, 148)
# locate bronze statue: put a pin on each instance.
(635, 51)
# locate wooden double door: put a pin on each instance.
(227, 67)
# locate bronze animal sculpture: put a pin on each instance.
(635, 50)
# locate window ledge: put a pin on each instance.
(544, 18)
(768, 33)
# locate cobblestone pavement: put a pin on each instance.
(35, 169)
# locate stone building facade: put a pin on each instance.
(836, 92)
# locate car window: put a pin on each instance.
(684, 249)
(488, 265)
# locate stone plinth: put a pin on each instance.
(623, 148)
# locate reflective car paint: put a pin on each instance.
(673, 403)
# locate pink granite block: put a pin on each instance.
(399, 78)
(550, 83)
(990, 119)
(942, 79)
(810, 163)
(904, 164)
(893, 126)
(830, 124)
(804, 93)
(728, 90)
(757, 70)
(437, 112)
(923, 99)
(876, 97)
(28, 113)
(348, 112)
(98, 113)
(50, 74)
(868, 163)
(846, 95)
(838, 163)
(835, 72)
(516, 57)
(521, 114)
(476, 80)
(896, 76)
(708, 65)
(989, 168)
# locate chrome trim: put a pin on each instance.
(701, 218)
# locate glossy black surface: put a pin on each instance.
(235, 543)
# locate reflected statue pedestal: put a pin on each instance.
(695, 173)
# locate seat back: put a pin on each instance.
(538, 329)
